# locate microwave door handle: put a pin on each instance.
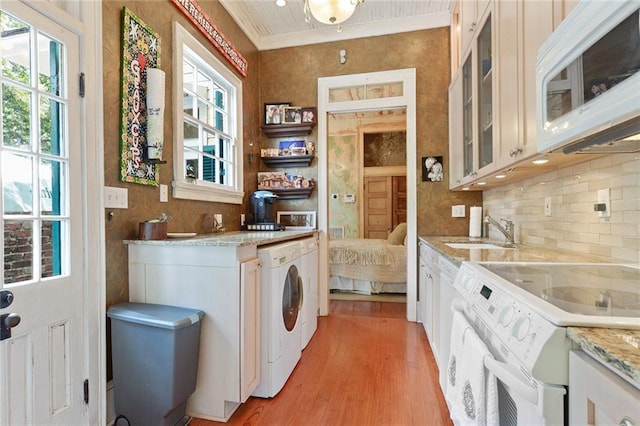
(509, 377)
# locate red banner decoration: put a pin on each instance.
(192, 10)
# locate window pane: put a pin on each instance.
(18, 251)
(190, 135)
(52, 184)
(205, 112)
(219, 121)
(15, 47)
(205, 87)
(188, 102)
(16, 127)
(51, 249)
(50, 72)
(346, 94)
(51, 126)
(17, 183)
(191, 163)
(387, 90)
(220, 99)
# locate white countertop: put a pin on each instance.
(230, 239)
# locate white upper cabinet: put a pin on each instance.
(471, 103)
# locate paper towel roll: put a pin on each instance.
(475, 221)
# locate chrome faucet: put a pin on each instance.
(507, 229)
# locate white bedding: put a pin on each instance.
(367, 266)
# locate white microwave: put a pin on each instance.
(588, 81)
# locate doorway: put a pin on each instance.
(389, 90)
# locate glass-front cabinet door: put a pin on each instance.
(471, 113)
(485, 96)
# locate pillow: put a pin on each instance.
(396, 237)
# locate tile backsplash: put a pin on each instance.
(573, 224)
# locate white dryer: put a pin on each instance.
(281, 295)
(309, 311)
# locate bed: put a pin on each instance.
(369, 266)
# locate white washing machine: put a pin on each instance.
(281, 294)
(309, 311)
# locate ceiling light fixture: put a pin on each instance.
(330, 12)
(281, 3)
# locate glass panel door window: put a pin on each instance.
(34, 151)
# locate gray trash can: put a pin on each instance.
(155, 361)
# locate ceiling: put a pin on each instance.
(271, 27)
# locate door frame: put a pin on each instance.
(406, 100)
(85, 20)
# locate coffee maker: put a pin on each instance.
(261, 215)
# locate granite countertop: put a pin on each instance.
(515, 253)
(618, 349)
(230, 239)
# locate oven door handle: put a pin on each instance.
(509, 376)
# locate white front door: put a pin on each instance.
(42, 362)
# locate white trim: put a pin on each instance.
(181, 188)
(408, 100)
(328, 33)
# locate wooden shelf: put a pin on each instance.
(288, 161)
(292, 193)
(285, 130)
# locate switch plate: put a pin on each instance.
(164, 193)
(604, 197)
(116, 198)
(547, 206)
(458, 211)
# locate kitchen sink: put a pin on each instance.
(483, 246)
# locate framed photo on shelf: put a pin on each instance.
(292, 115)
(303, 221)
(309, 115)
(274, 112)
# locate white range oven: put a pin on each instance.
(520, 311)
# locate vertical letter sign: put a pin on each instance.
(140, 51)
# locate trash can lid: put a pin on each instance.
(161, 316)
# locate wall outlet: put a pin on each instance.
(458, 211)
(547, 206)
(116, 198)
(604, 197)
(164, 193)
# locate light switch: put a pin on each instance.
(116, 198)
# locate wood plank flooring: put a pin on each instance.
(365, 366)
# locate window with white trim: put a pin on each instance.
(207, 128)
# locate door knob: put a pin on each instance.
(7, 322)
(6, 298)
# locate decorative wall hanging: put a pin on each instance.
(194, 12)
(432, 169)
(140, 51)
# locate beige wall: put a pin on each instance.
(186, 216)
(291, 74)
(573, 224)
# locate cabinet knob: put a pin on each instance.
(515, 151)
(626, 422)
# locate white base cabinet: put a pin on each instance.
(224, 282)
(597, 396)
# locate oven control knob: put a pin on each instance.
(521, 328)
(506, 315)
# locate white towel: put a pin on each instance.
(476, 393)
(458, 326)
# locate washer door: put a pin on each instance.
(291, 298)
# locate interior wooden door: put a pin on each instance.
(399, 200)
(377, 206)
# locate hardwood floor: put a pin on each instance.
(366, 365)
